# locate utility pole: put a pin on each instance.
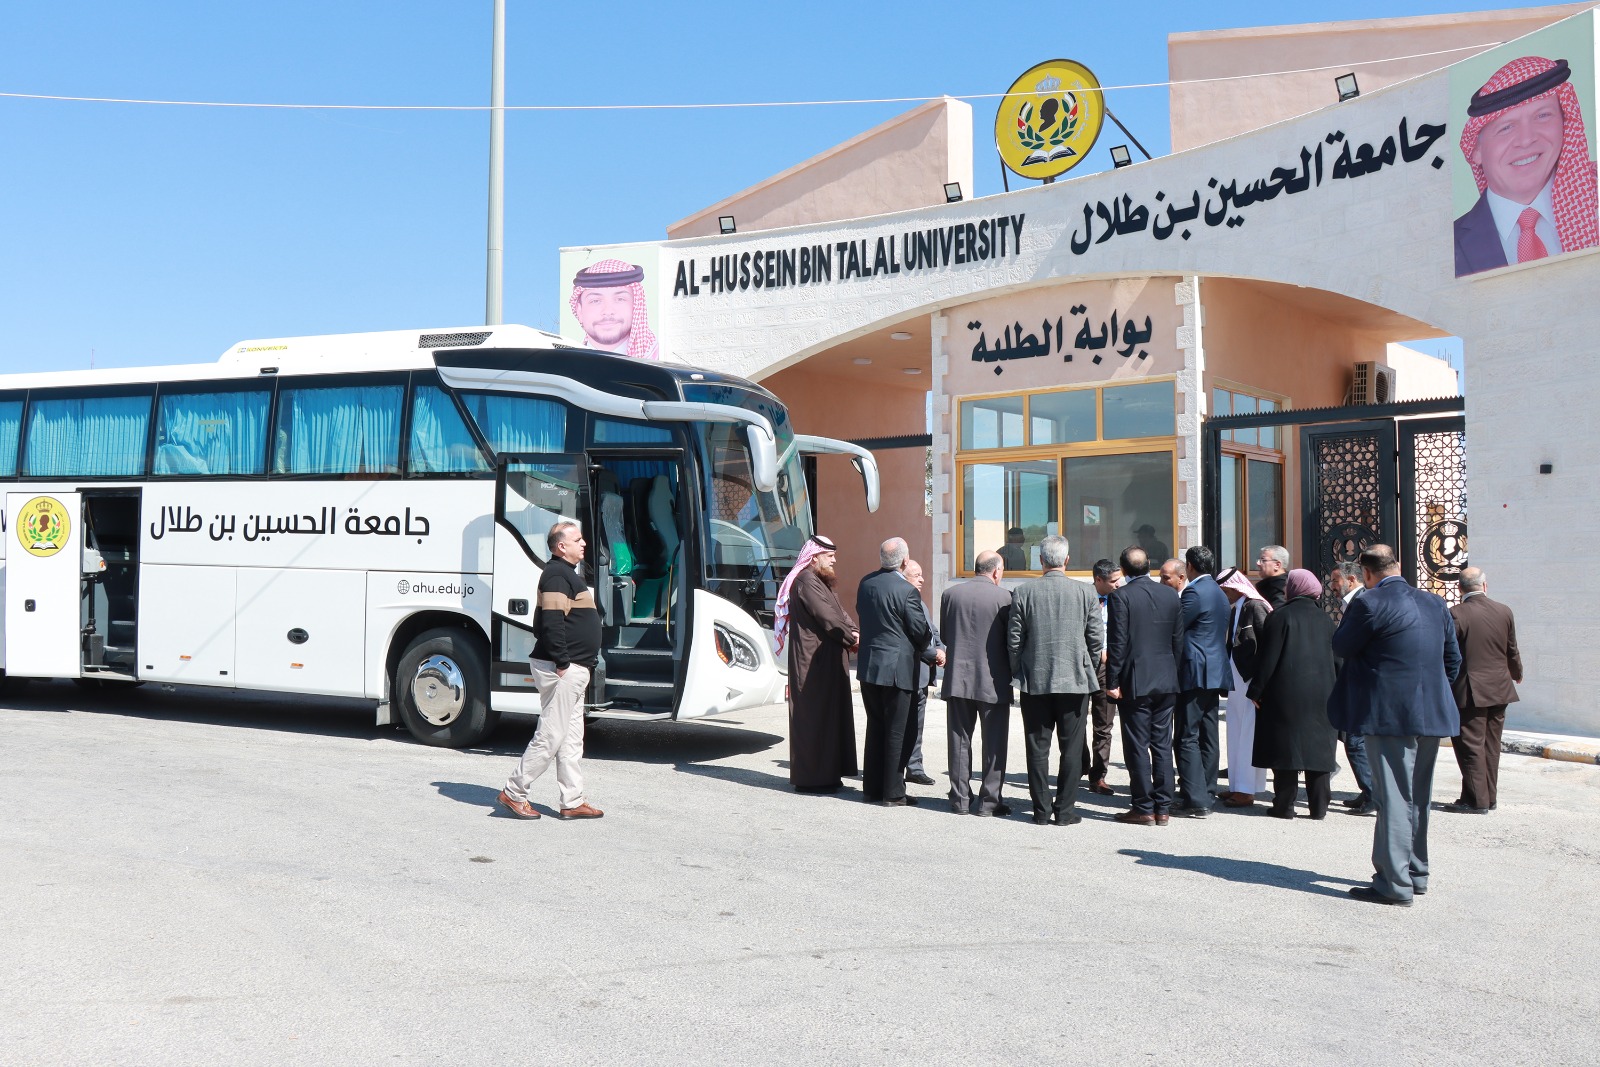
(497, 168)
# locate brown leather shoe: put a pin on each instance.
(585, 810)
(1162, 819)
(1136, 818)
(520, 808)
(1099, 786)
(1238, 800)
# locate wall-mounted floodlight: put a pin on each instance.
(952, 192)
(1120, 156)
(725, 223)
(1348, 89)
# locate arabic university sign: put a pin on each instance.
(1049, 119)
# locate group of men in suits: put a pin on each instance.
(1410, 672)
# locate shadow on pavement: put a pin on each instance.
(471, 793)
(249, 709)
(481, 796)
(1249, 872)
(762, 780)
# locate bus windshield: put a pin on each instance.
(754, 536)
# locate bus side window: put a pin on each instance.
(87, 436)
(512, 423)
(10, 428)
(440, 441)
(217, 432)
(338, 429)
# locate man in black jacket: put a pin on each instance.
(894, 633)
(566, 647)
(1144, 641)
(1273, 565)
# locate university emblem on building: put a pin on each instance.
(1443, 549)
(1049, 119)
(43, 525)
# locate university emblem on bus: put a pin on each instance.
(1049, 119)
(43, 525)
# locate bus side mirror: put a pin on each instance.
(763, 458)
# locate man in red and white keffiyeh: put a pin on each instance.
(815, 546)
(608, 302)
(1524, 139)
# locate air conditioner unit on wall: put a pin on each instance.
(1374, 383)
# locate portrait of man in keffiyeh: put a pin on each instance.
(1525, 141)
(609, 303)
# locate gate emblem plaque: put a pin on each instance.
(1444, 549)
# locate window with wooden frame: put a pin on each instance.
(1250, 478)
(1095, 463)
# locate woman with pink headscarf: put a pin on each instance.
(1250, 611)
(1294, 676)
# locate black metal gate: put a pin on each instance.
(1433, 498)
(1347, 480)
(1369, 475)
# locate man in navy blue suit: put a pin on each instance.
(1205, 675)
(1400, 656)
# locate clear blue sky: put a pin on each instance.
(161, 235)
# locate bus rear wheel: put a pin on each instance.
(441, 686)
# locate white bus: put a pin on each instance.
(365, 516)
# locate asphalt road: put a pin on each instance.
(192, 878)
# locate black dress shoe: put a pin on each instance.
(1002, 809)
(1358, 801)
(902, 802)
(919, 778)
(1281, 813)
(1041, 820)
(1372, 896)
(1459, 808)
(1068, 820)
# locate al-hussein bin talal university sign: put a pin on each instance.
(1220, 202)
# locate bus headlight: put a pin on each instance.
(734, 650)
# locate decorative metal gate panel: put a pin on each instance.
(1433, 503)
(1348, 491)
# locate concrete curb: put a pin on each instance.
(1567, 751)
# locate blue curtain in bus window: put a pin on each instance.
(440, 440)
(10, 426)
(615, 432)
(88, 437)
(519, 423)
(351, 429)
(211, 433)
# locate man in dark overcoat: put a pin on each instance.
(894, 633)
(1400, 656)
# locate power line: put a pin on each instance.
(715, 106)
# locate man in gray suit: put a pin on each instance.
(1054, 639)
(977, 681)
(894, 631)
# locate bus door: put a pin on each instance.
(532, 492)
(44, 585)
(642, 557)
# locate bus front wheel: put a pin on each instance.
(441, 686)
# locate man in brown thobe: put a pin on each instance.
(818, 635)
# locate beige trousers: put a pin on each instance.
(559, 738)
